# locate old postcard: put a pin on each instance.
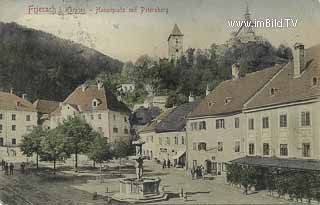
(159, 102)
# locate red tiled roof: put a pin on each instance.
(10, 101)
(45, 106)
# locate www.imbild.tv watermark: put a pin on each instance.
(265, 23)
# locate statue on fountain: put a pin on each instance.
(139, 159)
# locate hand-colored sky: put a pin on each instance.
(127, 36)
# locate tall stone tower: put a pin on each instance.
(175, 44)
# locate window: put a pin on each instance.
(92, 117)
(194, 126)
(266, 149)
(251, 124)
(202, 125)
(237, 146)
(28, 117)
(182, 140)
(126, 131)
(220, 146)
(306, 149)
(94, 103)
(219, 123)
(236, 122)
(1, 116)
(168, 140)
(202, 146)
(125, 119)
(99, 116)
(1, 127)
(13, 141)
(251, 149)
(13, 127)
(176, 140)
(305, 119)
(13, 117)
(1, 141)
(283, 121)
(194, 146)
(177, 50)
(115, 130)
(283, 150)
(265, 122)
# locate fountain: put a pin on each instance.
(139, 189)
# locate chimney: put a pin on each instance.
(298, 59)
(235, 71)
(100, 85)
(83, 87)
(24, 96)
(207, 90)
(191, 97)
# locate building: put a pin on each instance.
(216, 128)
(283, 117)
(44, 108)
(245, 33)
(165, 138)
(99, 107)
(175, 44)
(126, 88)
(17, 117)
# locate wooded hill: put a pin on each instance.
(45, 66)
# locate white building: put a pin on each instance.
(17, 117)
(99, 107)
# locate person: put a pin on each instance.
(192, 172)
(3, 163)
(6, 168)
(22, 166)
(11, 168)
(202, 171)
(169, 163)
(164, 164)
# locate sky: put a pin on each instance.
(128, 35)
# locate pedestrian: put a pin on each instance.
(192, 172)
(22, 166)
(11, 168)
(169, 163)
(164, 164)
(3, 163)
(202, 171)
(6, 168)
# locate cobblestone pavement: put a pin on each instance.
(199, 191)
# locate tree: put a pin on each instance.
(99, 150)
(54, 147)
(31, 142)
(122, 148)
(78, 136)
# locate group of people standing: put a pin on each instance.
(7, 167)
(166, 163)
(197, 172)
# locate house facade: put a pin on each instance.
(17, 117)
(270, 113)
(99, 108)
(165, 138)
(286, 111)
(216, 129)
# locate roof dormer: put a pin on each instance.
(95, 103)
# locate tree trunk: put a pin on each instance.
(76, 164)
(37, 161)
(54, 166)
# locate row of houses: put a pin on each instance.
(273, 113)
(94, 103)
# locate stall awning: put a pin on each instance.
(179, 154)
(302, 164)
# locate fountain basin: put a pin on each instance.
(144, 190)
